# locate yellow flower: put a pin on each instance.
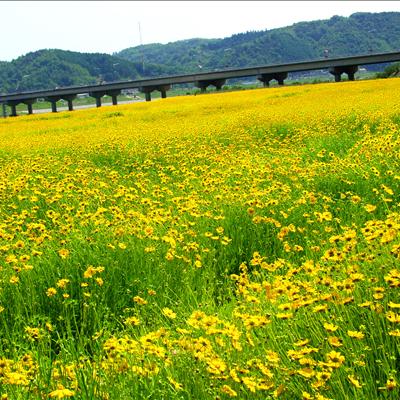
(334, 341)
(15, 378)
(355, 199)
(330, 327)
(307, 362)
(139, 300)
(321, 397)
(99, 281)
(301, 342)
(393, 317)
(216, 366)
(356, 334)
(134, 321)
(175, 384)
(391, 384)
(62, 283)
(320, 308)
(306, 372)
(355, 382)
(148, 230)
(393, 305)
(168, 313)
(63, 253)
(61, 393)
(51, 292)
(288, 315)
(272, 357)
(370, 208)
(229, 391)
(33, 333)
(19, 244)
(335, 358)
(388, 190)
(378, 296)
(324, 216)
(91, 271)
(250, 383)
(323, 376)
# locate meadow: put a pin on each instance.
(232, 245)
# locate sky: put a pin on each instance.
(111, 26)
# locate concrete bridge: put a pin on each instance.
(278, 72)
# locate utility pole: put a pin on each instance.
(141, 47)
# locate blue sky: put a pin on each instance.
(110, 26)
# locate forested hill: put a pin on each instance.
(358, 34)
(342, 36)
(46, 69)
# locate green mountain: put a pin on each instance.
(360, 33)
(47, 69)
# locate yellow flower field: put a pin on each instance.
(226, 245)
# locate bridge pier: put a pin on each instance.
(53, 100)
(97, 96)
(114, 96)
(278, 76)
(148, 89)
(70, 98)
(338, 71)
(54, 106)
(13, 105)
(202, 85)
(29, 103)
(13, 110)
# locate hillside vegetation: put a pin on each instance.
(358, 34)
(47, 69)
(226, 245)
